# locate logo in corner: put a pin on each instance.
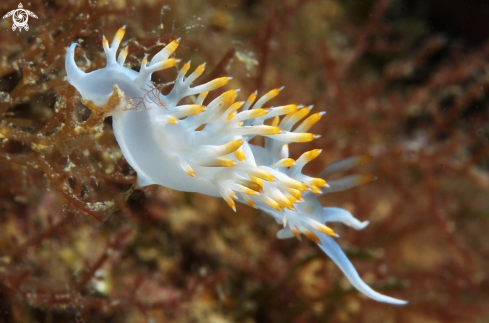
(20, 17)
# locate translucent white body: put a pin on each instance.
(203, 147)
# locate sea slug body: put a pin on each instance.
(204, 147)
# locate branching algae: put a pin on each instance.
(204, 147)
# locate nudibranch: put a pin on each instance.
(179, 141)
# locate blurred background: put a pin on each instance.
(404, 81)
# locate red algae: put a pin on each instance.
(78, 246)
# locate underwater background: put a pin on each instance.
(406, 82)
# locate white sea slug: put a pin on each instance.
(204, 147)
